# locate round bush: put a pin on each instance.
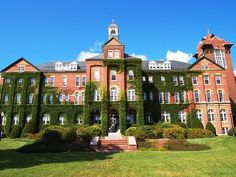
(95, 130)
(175, 132)
(28, 129)
(210, 126)
(84, 134)
(51, 136)
(199, 133)
(16, 132)
(157, 132)
(136, 132)
(232, 132)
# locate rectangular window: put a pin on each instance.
(52, 81)
(83, 80)
(96, 75)
(150, 79)
(196, 96)
(131, 74)
(206, 80)
(181, 80)
(194, 80)
(110, 54)
(161, 97)
(175, 80)
(8, 80)
(163, 80)
(221, 96)
(64, 81)
(225, 130)
(113, 75)
(46, 81)
(208, 96)
(77, 81)
(144, 79)
(176, 97)
(167, 97)
(183, 97)
(32, 81)
(117, 54)
(218, 79)
(21, 68)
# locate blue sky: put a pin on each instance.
(46, 30)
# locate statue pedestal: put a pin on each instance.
(114, 136)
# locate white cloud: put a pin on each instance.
(143, 57)
(235, 72)
(179, 56)
(86, 54)
(93, 51)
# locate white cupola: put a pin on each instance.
(113, 30)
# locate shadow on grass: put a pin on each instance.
(11, 159)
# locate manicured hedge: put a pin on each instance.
(175, 132)
(210, 126)
(199, 133)
(29, 128)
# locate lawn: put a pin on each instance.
(219, 161)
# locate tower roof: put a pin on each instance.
(113, 24)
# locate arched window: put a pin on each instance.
(18, 98)
(165, 116)
(196, 96)
(79, 119)
(220, 96)
(113, 94)
(208, 96)
(46, 119)
(30, 101)
(16, 119)
(28, 118)
(76, 98)
(131, 94)
(45, 98)
(211, 115)
(199, 115)
(67, 97)
(51, 98)
(62, 119)
(223, 115)
(96, 95)
(182, 116)
(60, 98)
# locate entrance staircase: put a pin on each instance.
(113, 143)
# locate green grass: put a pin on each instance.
(219, 161)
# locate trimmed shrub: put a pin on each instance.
(199, 133)
(16, 132)
(196, 123)
(95, 130)
(232, 132)
(84, 134)
(183, 145)
(51, 136)
(157, 132)
(167, 125)
(183, 125)
(144, 145)
(136, 132)
(210, 126)
(28, 129)
(175, 132)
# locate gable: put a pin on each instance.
(21, 63)
(203, 62)
(113, 42)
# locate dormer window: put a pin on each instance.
(59, 66)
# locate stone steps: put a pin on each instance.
(103, 144)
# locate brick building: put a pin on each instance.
(115, 84)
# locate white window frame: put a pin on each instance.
(83, 80)
(220, 94)
(177, 97)
(46, 119)
(131, 75)
(211, 115)
(181, 80)
(52, 80)
(150, 79)
(197, 98)
(16, 119)
(165, 116)
(167, 97)
(218, 79)
(64, 81)
(77, 81)
(30, 99)
(131, 94)
(219, 56)
(113, 94)
(96, 95)
(208, 96)
(199, 115)
(76, 98)
(182, 116)
(223, 115)
(113, 75)
(194, 80)
(96, 75)
(161, 97)
(206, 79)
